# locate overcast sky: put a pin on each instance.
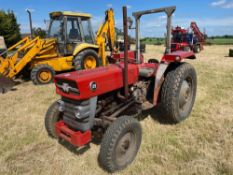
(215, 16)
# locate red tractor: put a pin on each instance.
(184, 40)
(107, 101)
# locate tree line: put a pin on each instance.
(10, 28)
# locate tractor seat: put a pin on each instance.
(73, 34)
(146, 72)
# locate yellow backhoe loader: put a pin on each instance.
(71, 44)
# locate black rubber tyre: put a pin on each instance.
(196, 49)
(38, 71)
(52, 116)
(152, 60)
(120, 144)
(80, 58)
(178, 93)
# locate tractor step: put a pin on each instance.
(75, 138)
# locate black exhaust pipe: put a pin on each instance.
(30, 21)
(125, 24)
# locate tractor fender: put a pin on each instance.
(167, 60)
(159, 78)
(84, 46)
(178, 56)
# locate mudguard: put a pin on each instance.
(84, 46)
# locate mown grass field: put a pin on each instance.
(201, 145)
(220, 41)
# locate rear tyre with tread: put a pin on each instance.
(178, 93)
(81, 58)
(42, 74)
(52, 116)
(120, 144)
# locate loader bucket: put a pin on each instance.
(6, 84)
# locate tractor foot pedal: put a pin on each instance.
(76, 138)
(147, 105)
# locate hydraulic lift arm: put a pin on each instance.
(106, 31)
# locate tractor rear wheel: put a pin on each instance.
(87, 59)
(52, 116)
(178, 93)
(42, 74)
(120, 144)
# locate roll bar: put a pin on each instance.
(137, 15)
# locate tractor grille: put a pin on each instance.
(67, 86)
(76, 114)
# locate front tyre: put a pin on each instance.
(87, 59)
(178, 93)
(52, 116)
(120, 144)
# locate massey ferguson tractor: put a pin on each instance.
(108, 100)
(183, 39)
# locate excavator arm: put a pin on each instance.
(197, 32)
(106, 32)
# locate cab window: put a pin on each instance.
(87, 30)
(73, 30)
(56, 29)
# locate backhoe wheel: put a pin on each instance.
(197, 49)
(120, 144)
(42, 74)
(87, 59)
(178, 93)
(52, 116)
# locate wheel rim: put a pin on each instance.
(125, 148)
(186, 93)
(90, 62)
(45, 76)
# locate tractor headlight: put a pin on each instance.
(61, 105)
(178, 59)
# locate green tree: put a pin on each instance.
(9, 28)
(39, 32)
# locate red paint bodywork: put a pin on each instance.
(76, 138)
(179, 46)
(173, 57)
(131, 56)
(107, 78)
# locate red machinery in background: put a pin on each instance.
(183, 39)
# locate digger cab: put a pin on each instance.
(70, 29)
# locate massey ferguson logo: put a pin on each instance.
(93, 86)
(65, 87)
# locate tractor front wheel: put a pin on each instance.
(120, 144)
(87, 59)
(52, 116)
(178, 92)
(42, 74)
